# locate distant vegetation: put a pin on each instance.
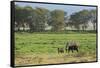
(38, 19)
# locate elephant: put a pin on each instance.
(72, 46)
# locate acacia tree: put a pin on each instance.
(74, 20)
(27, 12)
(84, 18)
(93, 18)
(21, 16)
(34, 18)
(80, 19)
(57, 20)
(39, 19)
(18, 16)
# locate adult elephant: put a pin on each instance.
(72, 46)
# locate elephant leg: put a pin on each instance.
(66, 50)
(72, 51)
(77, 50)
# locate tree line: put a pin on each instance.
(37, 19)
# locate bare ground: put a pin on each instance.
(52, 59)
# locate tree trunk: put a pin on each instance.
(94, 26)
(18, 28)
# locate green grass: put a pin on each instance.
(38, 44)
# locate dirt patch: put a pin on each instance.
(51, 59)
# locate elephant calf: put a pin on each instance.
(60, 50)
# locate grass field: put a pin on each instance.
(36, 48)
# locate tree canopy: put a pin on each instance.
(37, 19)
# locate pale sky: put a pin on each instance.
(67, 8)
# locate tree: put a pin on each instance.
(57, 20)
(93, 18)
(74, 20)
(28, 19)
(18, 17)
(84, 18)
(80, 19)
(21, 16)
(40, 19)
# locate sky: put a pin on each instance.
(67, 8)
